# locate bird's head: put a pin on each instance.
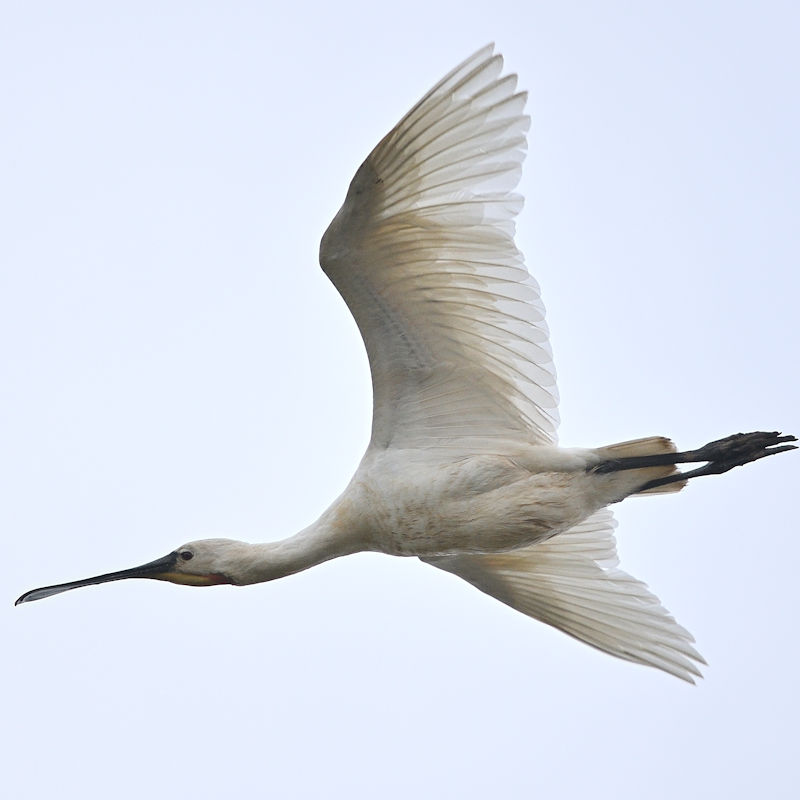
(208, 562)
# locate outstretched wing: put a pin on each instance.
(572, 583)
(422, 251)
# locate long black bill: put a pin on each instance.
(151, 570)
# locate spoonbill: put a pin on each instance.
(462, 469)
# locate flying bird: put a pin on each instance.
(462, 468)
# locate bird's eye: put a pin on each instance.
(186, 555)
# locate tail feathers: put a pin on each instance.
(650, 445)
(572, 583)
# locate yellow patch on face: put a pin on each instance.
(214, 579)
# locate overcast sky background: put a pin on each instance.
(176, 366)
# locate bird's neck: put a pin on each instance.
(311, 546)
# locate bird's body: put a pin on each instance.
(462, 469)
(403, 504)
(416, 503)
(406, 503)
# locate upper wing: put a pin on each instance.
(572, 582)
(422, 251)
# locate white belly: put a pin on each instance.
(406, 505)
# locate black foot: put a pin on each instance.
(725, 454)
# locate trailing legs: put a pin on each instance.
(721, 456)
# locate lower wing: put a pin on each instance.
(572, 583)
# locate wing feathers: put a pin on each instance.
(571, 582)
(423, 253)
(441, 102)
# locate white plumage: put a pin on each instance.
(423, 253)
(572, 582)
(462, 469)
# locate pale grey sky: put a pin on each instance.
(175, 365)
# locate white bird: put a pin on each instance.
(462, 469)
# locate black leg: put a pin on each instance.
(722, 455)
